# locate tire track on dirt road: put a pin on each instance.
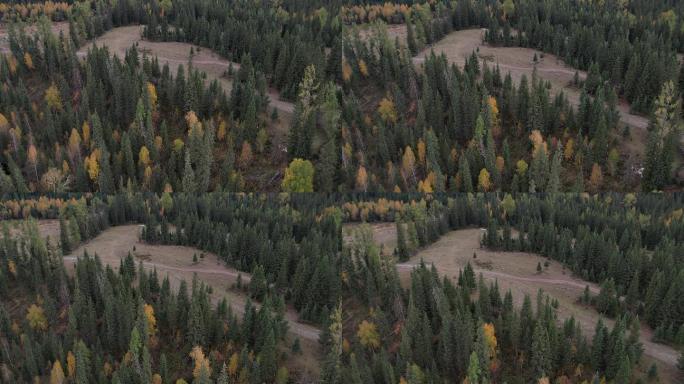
(541, 280)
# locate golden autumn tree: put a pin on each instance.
(192, 121)
(222, 130)
(494, 108)
(71, 364)
(36, 318)
(151, 319)
(362, 179)
(200, 362)
(92, 165)
(12, 62)
(386, 110)
(363, 68)
(596, 178)
(368, 335)
(28, 60)
(537, 142)
(484, 182)
(408, 164)
(233, 364)
(144, 156)
(57, 373)
(4, 123)
(346, 71)
(75, 145)
(53, 98)
(152, 93)
(425, 186)
(569, 149)
(490, 339)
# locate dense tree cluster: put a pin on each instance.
(443, 129)
(281, 41)
(366, 117)
(436, 331)
(100, 325)
(294, 251)
(102, 124)
(12, 11)
(292, 247)
(631, 45)
(630, 244)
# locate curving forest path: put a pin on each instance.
(518, 61)
(119, 39)
(517, 271)
(176, 263)
(459, 45)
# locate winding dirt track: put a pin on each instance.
(118, 40)
(176, 262)
(517, 272)
(537, 280)
(459, 45)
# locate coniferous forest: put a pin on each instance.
(410, 192)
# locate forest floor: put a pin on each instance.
(517, 271)
(177, 262)
(118, 40)
(459, 45)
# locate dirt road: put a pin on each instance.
(538, 280)
(459, 45)
(118, 40)
(517, 271)
(176, 262)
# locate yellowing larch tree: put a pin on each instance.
(368, 335)
(36, 318)
(53, 98)
(57, 373)
(362, 179)
(298, 176)
(387, 111)
(201, 362)
(483, 180)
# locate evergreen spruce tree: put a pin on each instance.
(541, 358)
